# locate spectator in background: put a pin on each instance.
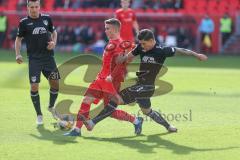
(76, 4)
(12, 36)
(168, 4)
(149, 4)
(225, 27)
(58, 4)
(206, 29)
(3, 28)
(162, 34)
(67, 4)
(87, 35)
(128, 20)
(171, 38)
(21, 4)
(144, 4)
(184, 38)
(178, 4)
(137, 4)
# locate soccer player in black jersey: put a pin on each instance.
(40, 36)
(152, 58)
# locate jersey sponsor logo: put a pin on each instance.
(148, 59)
(29, 24)
(45, 22)
(39, 30)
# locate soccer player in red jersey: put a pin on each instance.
(107, 83)
(128, 20)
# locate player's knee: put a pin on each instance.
(88, 100)
(117, 99)
(34, 87)
(54, 84)
(146, 111)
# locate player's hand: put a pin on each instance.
(109, 78)
(51, 45)
(19, 59)
(121, 58)
(202, 57)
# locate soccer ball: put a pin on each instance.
(65, 122)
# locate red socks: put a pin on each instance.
(84, 110)
(122, 115)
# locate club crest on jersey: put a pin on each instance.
(110, 47)
(33, 79)
(45, 22)
(125, 45)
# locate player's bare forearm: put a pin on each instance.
(54, 37)
(136, 26)
(53, 42)
(188, 52)
(18, 43)
(125, 58)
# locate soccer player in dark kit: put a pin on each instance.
(108, 80)
(40, 36)
(152, 57)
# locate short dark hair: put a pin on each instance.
(32, 1)
(145, 34)
(113, 21)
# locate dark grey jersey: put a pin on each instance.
(151, 62)
(36, 33)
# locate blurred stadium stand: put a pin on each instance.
(174, 21)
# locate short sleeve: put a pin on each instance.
(21, 29)
(137, 50)
(51, 27)
(169, 51)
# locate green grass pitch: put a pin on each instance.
(205, 101)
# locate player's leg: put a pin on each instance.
(53, 94)
(34, 78)
(128, 96)
(124, 97)
(51, 73)
(84, 109)
(125, 116)
(36, 102)
(93, 92)
(145, 105)
(119, 114)
(83, 112)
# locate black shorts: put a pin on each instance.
(45, 65)
(138, 93)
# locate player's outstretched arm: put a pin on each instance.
(124, 58)
(18, 43)
(188, 52)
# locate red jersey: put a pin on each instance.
(126, 17)
(112, 50)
